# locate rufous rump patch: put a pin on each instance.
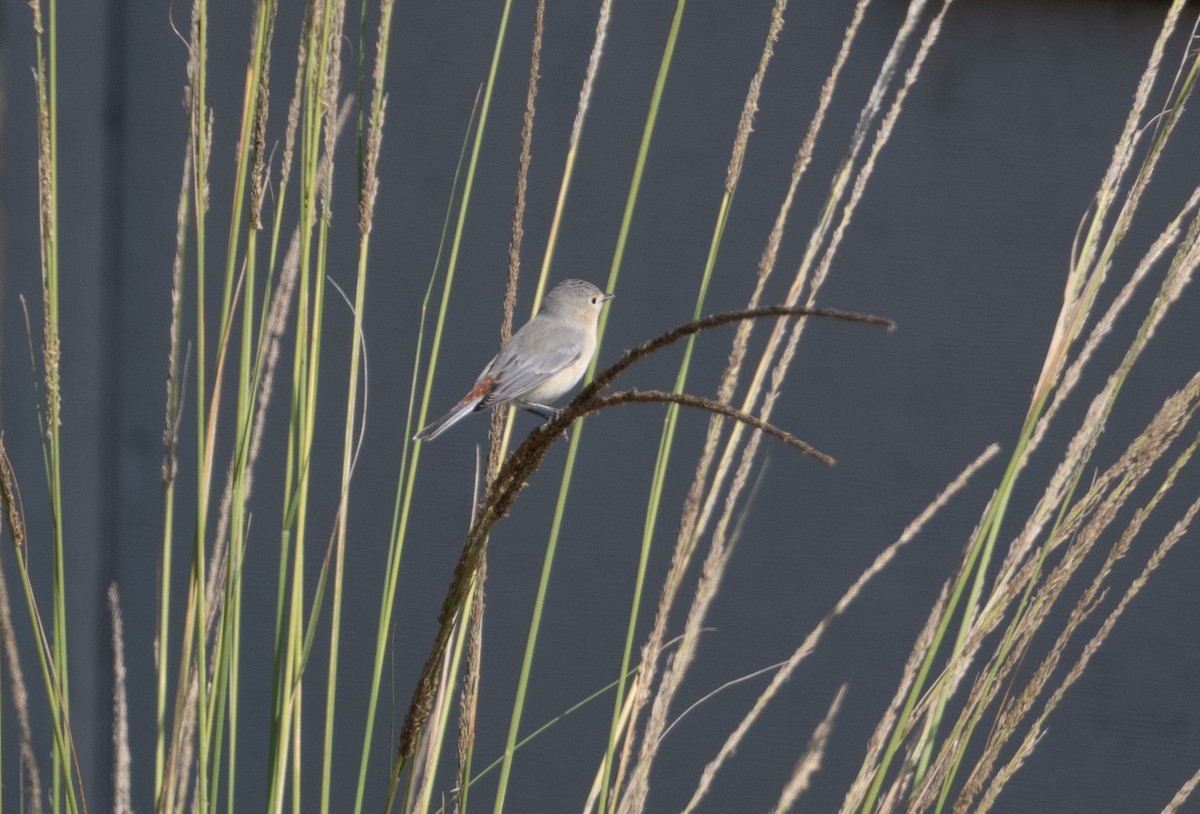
(481, 389)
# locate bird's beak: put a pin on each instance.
(607, 297)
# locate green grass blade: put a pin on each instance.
(577, 429)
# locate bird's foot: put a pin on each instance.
(543, 410)
(546, 412)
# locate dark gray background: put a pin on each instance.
(963, 238)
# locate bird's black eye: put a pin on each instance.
(593, 300)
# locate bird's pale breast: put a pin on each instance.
(565, 379)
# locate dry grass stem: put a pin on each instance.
(1089, 267)
(277, 319)
(1164, 123)
(175, 376)
(337, 118)
(630, 357)
(258, 142)
(1084, 442)
(424, 769)
(1036, 728)
(810, 762)
(1084, 523)
(18, 691)
(623, 724)
(770, 253)
(750, 105)
(1181, 796)
(370, 186)
(182, 752)
(293, 115)
(10, 493)
(593, 68)
(1085, 439)
(48, 233)
(498, 433)
(518, 219)
(810, 642)
(31, 778)
(1017, 708)
(585, 97)
(686, 543)
(868, 115)
(468, 706)
(334, 113)
(877, 743)
(884, 134)
(712, 572)
(122, 777)
(173, 779)
(1098, 506)
(676, 668)
(689, 517)
(36, 8)
(369, 171)
(663, 397)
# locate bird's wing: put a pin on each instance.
(530, 358)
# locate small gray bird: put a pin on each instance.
(543, 360)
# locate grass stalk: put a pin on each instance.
(170, 469)
(195, 645)
(65, 796)
(321, 118)
(19, 693)
(1067, 521)
(392, 568)
(230, 540)
(810, 762)
(408, 477)
(666, 440)
(468, 708)
(122, 780)
(423, 774)
(540, 730)
(852, 593)
(1017, 711)
(293, 263)
(695, 517)
(820, 236)
(46, 84)
(685, 543)
(470, 627)
(1087, 272)
(352, 440)
(585, 96)
(576, 435)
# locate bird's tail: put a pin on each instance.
(460, 411)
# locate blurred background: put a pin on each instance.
(963, 238)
